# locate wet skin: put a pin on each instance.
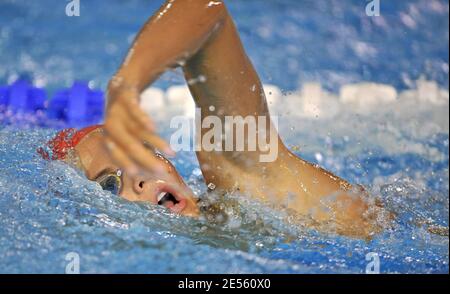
(200, 37)
(96, 162)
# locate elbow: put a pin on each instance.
(212, 3)
(216, 7)
(209, 14)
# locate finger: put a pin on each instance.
(153, 139)
(136, 114)
(133, 147)
(158, 143)
(127, 99)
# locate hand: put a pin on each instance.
(127, 127)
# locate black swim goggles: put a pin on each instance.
(111, 182)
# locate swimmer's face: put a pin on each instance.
(171, 192)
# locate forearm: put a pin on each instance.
(170, 37)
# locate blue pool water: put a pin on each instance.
(398, 149)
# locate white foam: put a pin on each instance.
(152, 99)
(311, 102)
(316, 102)
(178, 94)
(381, 111)
(189, 108)
(180, 97)
(427, 92)
(273, 94)
(176, 100)
(365, 97)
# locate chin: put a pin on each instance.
(191, 211)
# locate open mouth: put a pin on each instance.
(171, 201)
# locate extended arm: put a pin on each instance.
(171, 36)
(200, 36)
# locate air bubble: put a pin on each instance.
(211, 186)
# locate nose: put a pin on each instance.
(139, 184)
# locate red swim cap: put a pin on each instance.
(64, 141)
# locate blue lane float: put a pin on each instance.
(21, 96)
(75, 106)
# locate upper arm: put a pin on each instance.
(174, 33)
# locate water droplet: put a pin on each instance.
(197, 172)
(318, 156)
(211, 186)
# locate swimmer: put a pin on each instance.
(123, 154)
